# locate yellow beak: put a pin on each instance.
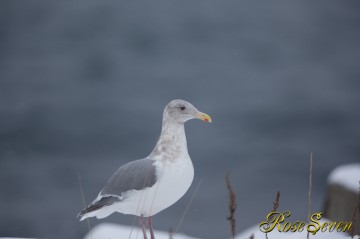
(204, 117)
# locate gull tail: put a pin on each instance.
(94, 209)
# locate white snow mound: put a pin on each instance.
(116, 231)
(347, 175)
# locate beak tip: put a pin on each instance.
(205, 117)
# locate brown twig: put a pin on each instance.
(310, 188)
(275, 206)
(353, 220)
(232, 205)
(356, 210)
(171, 233)
(358, 206)
(276, 202)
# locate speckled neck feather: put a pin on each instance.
(172, 142)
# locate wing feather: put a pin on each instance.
(136, 175)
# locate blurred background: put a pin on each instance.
(83, 85)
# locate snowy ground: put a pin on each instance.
(113, 231)
(110, 231)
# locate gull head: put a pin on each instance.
(180, 111)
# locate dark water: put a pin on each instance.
(83, 85)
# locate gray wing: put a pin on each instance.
(138, 174)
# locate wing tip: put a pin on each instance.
(81, 215)
(95, 206)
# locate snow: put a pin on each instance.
(116, 231)
(275, 234)
(346, 175)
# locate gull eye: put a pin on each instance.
(182, 107)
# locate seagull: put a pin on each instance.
(145, 187)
